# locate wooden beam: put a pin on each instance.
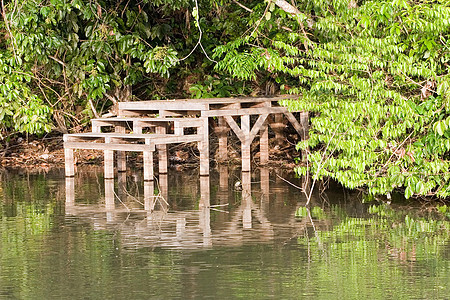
(235, 127)
(256, 127)
(244, 111)
(110, 146)
(162, 105)
(294, 122)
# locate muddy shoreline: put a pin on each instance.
(48, 153)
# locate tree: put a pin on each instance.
(375, 76)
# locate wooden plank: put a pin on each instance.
(216, 100)
(235, 127)
(244, 111)
(126, 136)
(111, 146)
(162, 105)
(162, 140)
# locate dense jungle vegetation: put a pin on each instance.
(373, 74)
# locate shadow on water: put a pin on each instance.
(230, 235)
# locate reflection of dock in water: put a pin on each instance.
(256, 216)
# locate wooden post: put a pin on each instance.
(96, 128)
(137, 127)
(164, 190)
(279, 132)
(149, 199)
(70, 192)
(203, 147)
(246, 200)
(109, 199)
(162, 151)
(265, 182)
(223, 140)
(204, 210)
(109, 162)
(223, 177)
(121, 155)
(122, 186)
(304, 122)
(69, 162)
(245, 145)
(264, 144)
(148, 163)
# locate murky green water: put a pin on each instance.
(220, 237)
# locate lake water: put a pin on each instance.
(228, 236)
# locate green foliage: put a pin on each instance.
(217, 87)
(58, 55)
(374, 75)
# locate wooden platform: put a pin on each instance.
(147, 126)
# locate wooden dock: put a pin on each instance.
(149, 126)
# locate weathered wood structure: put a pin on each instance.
(149, 126)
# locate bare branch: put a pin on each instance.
(243, 6)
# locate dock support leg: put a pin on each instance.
(246, 200)
(109, 164)
(122, 186)
(264, 144)
(265, 187)
(223, 140)
(164, 191)
(149, 199)
(109, 200)
(121, 155)
(203, 147)
(245, 146)
(162, 152)
(279, 131)
(70, 192)
(204, 221)
(148, 163)
(69, 162)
